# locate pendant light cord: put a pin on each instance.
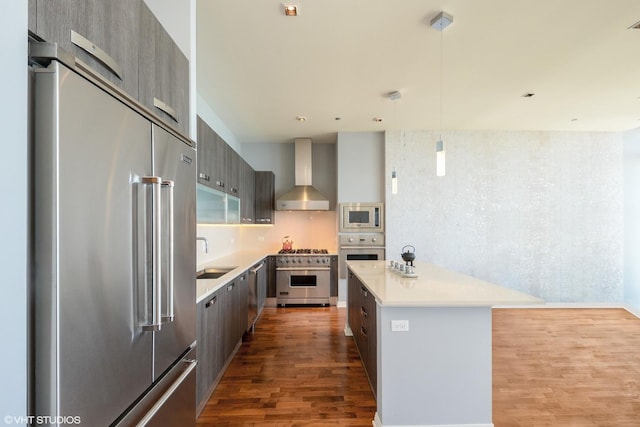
(441, 79)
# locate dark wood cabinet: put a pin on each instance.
(219, 162)
(164, 73)
(33, 20)
(247, 193)
(206, 142)
(222, 321)
(233, 172)
(209, 354)
(271, 276)
(361, 306)
(333, 260)
(265, 197)
(124, 42)
(102, 34)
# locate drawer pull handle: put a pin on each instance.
(163, 106)
(103, 57)
(211, 302)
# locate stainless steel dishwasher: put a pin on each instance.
(257, 294)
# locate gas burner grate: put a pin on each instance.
(303, 252)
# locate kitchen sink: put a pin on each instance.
(213, 272)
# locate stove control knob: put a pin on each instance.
(374, 240)
(350, 239)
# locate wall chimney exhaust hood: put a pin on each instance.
(302, 197)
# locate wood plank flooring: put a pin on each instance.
(566, 367)
(297, 369)
(551, 367)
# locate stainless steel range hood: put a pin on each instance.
(302, 197)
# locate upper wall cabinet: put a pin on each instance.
(265, 197)
(247, 192)
(33, 20)
(102, 34)
(164, 73)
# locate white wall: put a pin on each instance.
(540, 212)
(632, 218)
(13, 215)
(360, 166)
(211, 118)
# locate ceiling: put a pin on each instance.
(338, 60)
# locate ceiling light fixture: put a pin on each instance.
(440, 22)
(394, 96)
(290, 9)
(301, 118)
(378, 119)
(527, 95)
(635, 26)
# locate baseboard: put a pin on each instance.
(377, 423)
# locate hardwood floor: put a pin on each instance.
(551, 367)
(298, 369)
(566, 367)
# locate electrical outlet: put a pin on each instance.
(399, 326)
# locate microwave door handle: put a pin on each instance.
(376, 216)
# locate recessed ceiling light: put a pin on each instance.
(337, 118)
(635, 26)
(574, 119)
(378, 119)
(301, 118)
(290, 9)
(527, 95)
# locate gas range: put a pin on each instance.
(303, 276)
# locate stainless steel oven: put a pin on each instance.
(359, 247)
(303, 277)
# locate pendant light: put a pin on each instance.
(440, 22)
(394, 96)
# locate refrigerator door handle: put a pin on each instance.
(153, 241)
(189, 365)
(168, 309)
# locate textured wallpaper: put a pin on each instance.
(540, 212)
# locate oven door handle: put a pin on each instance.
(361, 247)
(303, 268)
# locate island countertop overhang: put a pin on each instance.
(435, 286)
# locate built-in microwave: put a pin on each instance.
(362, 217)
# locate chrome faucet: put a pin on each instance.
(206, 243)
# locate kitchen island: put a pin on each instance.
(425, 342)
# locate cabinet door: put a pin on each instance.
(247, 193)
(102, 34)
(271, 277)
(241, 306)
(371, 327)
(33, 19)
(164, 73)
(262, 286)
(265, 197)
(206, 141)
(208, 350)
(353, 304)
(218, 159)
(334, 276)
(233, 172)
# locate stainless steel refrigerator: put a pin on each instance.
(113, 326)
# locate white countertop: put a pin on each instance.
(434, 286)
(241, 260)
